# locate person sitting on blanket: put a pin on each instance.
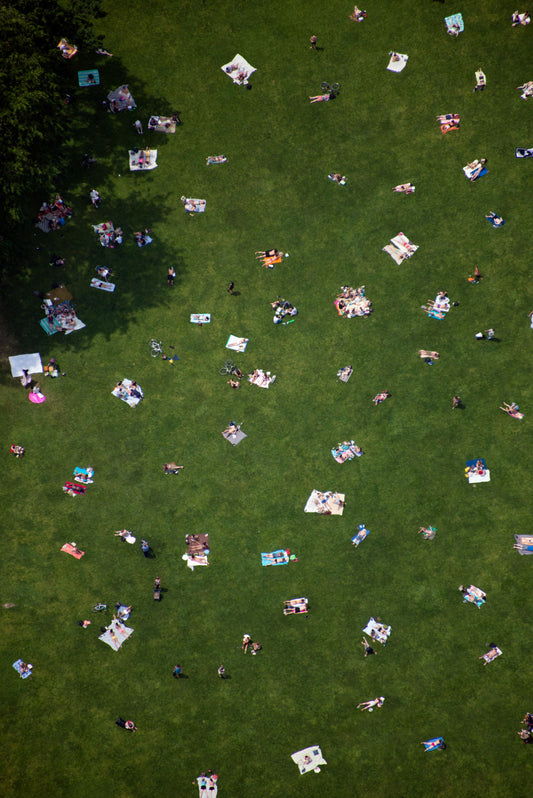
(476, 168)
(344, 372)
(406, 188)
(473, 469)
(216, 159)
(172, 468)
(17, 451)
(190, 205)
(231, 429)
(337, 178)
(233, 383)
(380, 397)
(123, 534)
(357, 15)
(520, 19)
(246, 642)
(427, 532)
(494, 219)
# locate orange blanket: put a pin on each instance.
(70, 549)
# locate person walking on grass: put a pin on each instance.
(313, 42)
(170, 276)
(231, 286)
(221, 672)
(176, 671)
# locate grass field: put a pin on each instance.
(301, 690)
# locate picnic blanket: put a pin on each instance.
(88, 77)
(200, 318)
(377, 631)
(400, 248)
(345, 451)
(69, 548)
(474, 476)
(261, 379)
(31, 363)
(355, 303)
(115, 634)
(237, 344)
(361, 535)
(296, 606)
(239, 70)
(162, 124)
(523, 152)
(123, 393)
(524, 544)
(142, 160)
(397, 62)
(234, 437)
(433, 744)
(325, 503)
(121, 98)
(345, 373)
(279, 557)
(102, 285)
(309, 759)
(454, 23)
(474, 595)
(208, 786)
(18, 666)
(193, 560)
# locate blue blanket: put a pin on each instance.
(18, 665)
(279, 557)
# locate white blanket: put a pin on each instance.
(200, 318)
(398, 255)
(123, 394)
(194, 205)
(377, 631)
(309, 759)
(137, 162)
(238, 69)
(102, 285)
(261, 379)
(237, 344)
(115, 634)
(402, 242)
(397, 62)
(32, 363)
(194, 560)
(473, 478)
(207, 786)
(327, 503)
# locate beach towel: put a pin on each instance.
(193, 560)
(88, 77)
(31, 363)
(147, 240)
(309, 759)
(122, 393)
(115, 634)
(396, 254)
(454, 23)
(208, 786)
(296, 606)
(361, 535)
(270, 262)
(474, 595)
(121, 98)
(234, 437)
(239, 70)
(200, 318)
(237, 344)
(261, 379)
(103, 286)
(377, 631)
(433, 744)
(397, 62)
(325, 503)
(70, 549)
(18, 666)
(67, 50)
(279, 557)
(161, 124)
(142, 160)
(521, 152)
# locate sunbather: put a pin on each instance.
(320, 98)
(428, 532)
(233, 383)
(246, 641)
(376, 702)
(269, 253)
(172, 468)
(476, 167)
(520, 18)
(494, 219)
(526, 89)
(491, 654)
(481, 80)
(104, 272)
(367, 647)
(380, 397)
(423, 353)
(357, 15)
(216, 159)
(447, 118)
(406, 188)
(24, 668)
(511, 410)
(337, 178)
(17, 451)
(123, 534)
(231, 429)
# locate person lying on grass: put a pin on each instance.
(442, 118)
(172, 468)
(406, 188)
(428, 533)
(423, 353)
(376, 702)
(380, 397)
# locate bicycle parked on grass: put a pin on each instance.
(156, 347)
(230, 368)
(332, 89)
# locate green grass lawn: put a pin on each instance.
(58, 727)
